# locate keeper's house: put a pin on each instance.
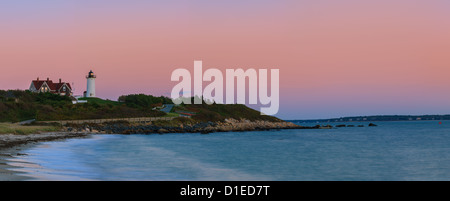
(42, 86)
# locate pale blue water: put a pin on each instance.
(417, 150)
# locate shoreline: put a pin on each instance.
(7, 171)
(11, 146)
(229, 125)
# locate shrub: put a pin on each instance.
(143, 101)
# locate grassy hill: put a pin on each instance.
(17, 105)
(9, 128)
(220, 112)
(101, 101)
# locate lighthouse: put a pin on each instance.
(90, 89)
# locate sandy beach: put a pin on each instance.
(11, 146)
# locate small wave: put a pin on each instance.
(203, 171)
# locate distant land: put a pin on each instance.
(379, 118)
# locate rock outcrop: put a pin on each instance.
(203, 127)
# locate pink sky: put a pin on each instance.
(336, 58)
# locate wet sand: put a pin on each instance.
(12, 145)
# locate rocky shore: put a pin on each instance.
(204, 127)
(12, 140)
(12, 144)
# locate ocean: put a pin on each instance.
(392, 151)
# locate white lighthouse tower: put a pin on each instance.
(90, 90)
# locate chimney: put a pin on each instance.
(37, 78)
(60, 80)
(48, 79)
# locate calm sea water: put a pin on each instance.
(417, 150)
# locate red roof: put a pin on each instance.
(53, 86)
(38, 84)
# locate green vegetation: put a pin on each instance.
(10, 128)
(101, 101)
(220, 112)
(174, 122)
(172, 114)
(18, 105)
(144, 101)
